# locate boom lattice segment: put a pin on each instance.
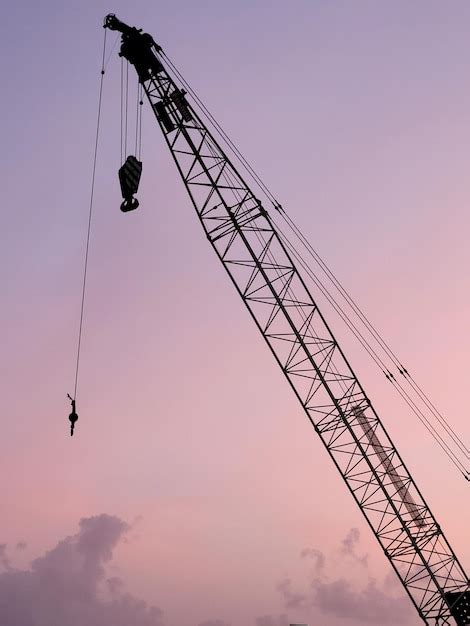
(243, 237)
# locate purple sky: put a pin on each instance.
(202, 489)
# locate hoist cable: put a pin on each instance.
(141, 112)
(122, 109)
(371, 329)
(440, 419)
(111, 52)
(378, 361)
(137, 116)
(375, 357)
(126, 110)
(359, 336)
(376, 335)
(230, 179)
(90, 212)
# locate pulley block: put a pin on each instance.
(129, 179)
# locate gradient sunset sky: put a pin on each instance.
(193, 466)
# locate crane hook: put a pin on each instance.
(73, 417)
(129, 178)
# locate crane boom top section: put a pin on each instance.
(255, 257)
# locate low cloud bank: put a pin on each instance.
(336, 596)
(68, 585)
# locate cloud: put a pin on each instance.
(370, 605)
(292, 599)
(4, 560)
(67, 585)
(214, 622)
(115, 585)
(337, 597)
(348, 547)
(317, 556)
(269, 620)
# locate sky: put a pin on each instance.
(195, 492)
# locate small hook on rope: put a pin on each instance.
(73, 417)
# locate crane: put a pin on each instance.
(245, 239)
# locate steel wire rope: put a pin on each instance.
(226, 176)
(377, 338)
(405, 396)
(239, 155)
(111, 52)
(350, 324)
(225, 136)
(383, 366)
(376, 359)
(230, 179)
(231, 144)
(419, 392)
(277, 205)
(122, 109)
(126, 110)
(90, 213)
(376, 335)
(368, 445)
(140, 120)
(398, 387)
(137, 116)
(371, 352)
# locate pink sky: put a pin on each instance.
(188, 431)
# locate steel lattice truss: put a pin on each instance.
(245, 240)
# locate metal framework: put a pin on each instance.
(243, 236)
